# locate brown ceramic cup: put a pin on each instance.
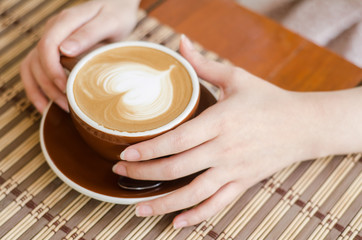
(109, 143)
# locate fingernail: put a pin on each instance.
(62, 102)
(187, 42)
(130, 155)
(179, 224)
(39, 106)
(69, 47)
(119, 169)
(144, 211)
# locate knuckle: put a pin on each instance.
(115, 31)
(179, 140)
(172, 171)
(47, 86)
(207, 210)
(165, 206)
(197, 218)
(233, 73)
(161, 205)
(44, 44)
(204, 61)
(227, 150)
(50, 91)
(30, 95)
(201, 194)
(50, 21)
(216, 206)
(135, 172)
(231, 78)
(242, 184)
(152, 152)
(65, 13)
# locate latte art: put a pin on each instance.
(132, 89)
(140, 92)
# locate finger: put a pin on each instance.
(56, 31)
(209, 207)
(201, 188)
(88, 35)
(175, 141)
(169, 168)
(33, 92)
(47, 85)
(211, 71)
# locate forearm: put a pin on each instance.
(337, 120)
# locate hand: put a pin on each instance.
(72, 32)
(253, 131)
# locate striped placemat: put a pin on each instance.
(317, 199)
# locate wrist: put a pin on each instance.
(334, 124)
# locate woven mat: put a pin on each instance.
(311, 200)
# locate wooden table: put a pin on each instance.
(257, 44)
(318, 198)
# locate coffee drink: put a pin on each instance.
(132, 88)
(127, 92)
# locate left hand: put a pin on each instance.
(253, 131)
(71, 33)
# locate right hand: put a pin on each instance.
(72, 32)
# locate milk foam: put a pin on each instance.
(131, 89)
(142, 92)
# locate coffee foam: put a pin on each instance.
(132, 89)
(142, 92)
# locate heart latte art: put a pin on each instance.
(132, 89)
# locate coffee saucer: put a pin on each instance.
(84, 170)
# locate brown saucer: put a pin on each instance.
(85, 171)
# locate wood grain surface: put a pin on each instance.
(257, 44)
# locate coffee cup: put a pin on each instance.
(128, 92)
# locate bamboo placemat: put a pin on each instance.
(317, 199)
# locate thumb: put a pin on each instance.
(87, 36)
(216, 73)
